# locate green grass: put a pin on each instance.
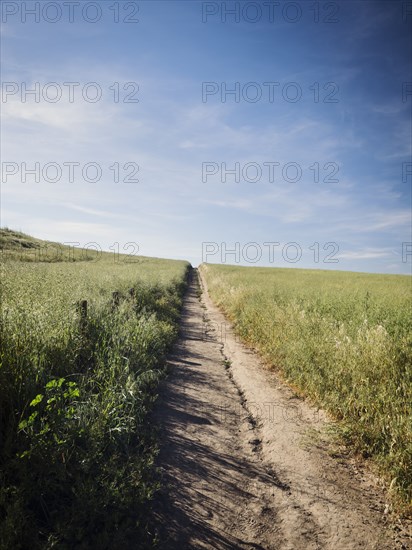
(18, 246)
(76, 448)
(344, 339)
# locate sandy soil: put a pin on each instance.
(245, 463)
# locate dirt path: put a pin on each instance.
(246, 464)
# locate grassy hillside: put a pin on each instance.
(343, 338)
(82, 348)
(18, 246)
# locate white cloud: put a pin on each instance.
(366, 254)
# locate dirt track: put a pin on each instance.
(247, 464)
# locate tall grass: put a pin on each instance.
(344, 339)
(76, 451)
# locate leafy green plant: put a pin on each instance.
(50, 414)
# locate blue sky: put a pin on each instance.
(336, 130)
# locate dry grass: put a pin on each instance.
(342, 338)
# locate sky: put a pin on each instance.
(252, 133)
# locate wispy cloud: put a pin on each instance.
(366, 254)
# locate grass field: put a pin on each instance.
(76, 384)
(342, 338)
